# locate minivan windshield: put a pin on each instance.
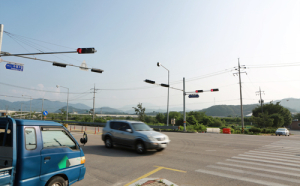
(140, 127)
(281, 129)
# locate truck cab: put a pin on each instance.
(41, 153)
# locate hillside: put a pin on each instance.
(232, 110)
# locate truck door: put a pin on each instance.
(60, 153)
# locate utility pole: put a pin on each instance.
(42, 109)
(94, 102)
(241, 98)
(184, 116)
(261, 101)
(1, 35)
(21, 110)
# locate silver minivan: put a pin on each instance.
(133, 134)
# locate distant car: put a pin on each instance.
(282, 131)
(133, 134)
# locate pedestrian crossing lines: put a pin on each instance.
(275, 164)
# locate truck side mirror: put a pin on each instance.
(84, 139)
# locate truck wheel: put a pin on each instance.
(57, 181)
(140, 147)
(108, 143)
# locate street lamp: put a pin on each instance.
(67, 98)
(159, 64)
(30, 104)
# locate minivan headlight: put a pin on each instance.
(151, 138)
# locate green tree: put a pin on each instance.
(297, 116)
(271, 109)
(160, 118)
(177, 116)
(140, 111)
(263, 119)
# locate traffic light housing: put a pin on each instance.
(96, 70)
(59, 64)
(199, 91)
(164, 85)
(214, 90)
(86, 50)
(149, 81)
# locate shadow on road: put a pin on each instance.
(114, 152)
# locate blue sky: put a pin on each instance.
(190, 38)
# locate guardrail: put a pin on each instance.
(103, 124)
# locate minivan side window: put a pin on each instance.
(30, 138)
(57, 137)
(125, 126)
(115, 125)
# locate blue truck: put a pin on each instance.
(39, 153)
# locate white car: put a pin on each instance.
(282, 131)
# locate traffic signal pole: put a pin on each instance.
(184, 116)
(1, 35)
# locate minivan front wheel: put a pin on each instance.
(108, 143)
(57, 181)
(140, 147)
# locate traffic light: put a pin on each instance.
(199, 91)
(96, 70)
(59, 64)
(149, 81)
(164, 85)
(86, 50)
(214, 90)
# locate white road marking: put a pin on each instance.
(282, 151)
(265, 161)
(265, 165)
(282, 147)
(293, 157)
(260, 169)
(269, 158)
(255, 173)
(241, 178)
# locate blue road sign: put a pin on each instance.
(193, 96)
(14, 66)
(45, 113)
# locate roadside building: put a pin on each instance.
(295, 125)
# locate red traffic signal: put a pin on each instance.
(198, 91)
(214, 90)
(86, 50)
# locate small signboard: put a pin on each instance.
(14, 66)
(193, 96)
(45, 113)
(173, 121)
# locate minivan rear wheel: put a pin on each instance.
(108, 143)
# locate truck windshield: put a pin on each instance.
(141, 127)
(57, 138)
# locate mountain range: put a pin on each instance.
(292, 104)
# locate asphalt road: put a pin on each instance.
(193, 159)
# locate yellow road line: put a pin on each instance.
(172, 169)
(144, 176)
(152, 172)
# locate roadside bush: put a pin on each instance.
(199, 128)
(237, 132)
(216, 123)
(255, 130)
(190, 128)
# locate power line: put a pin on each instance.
(42, 90)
